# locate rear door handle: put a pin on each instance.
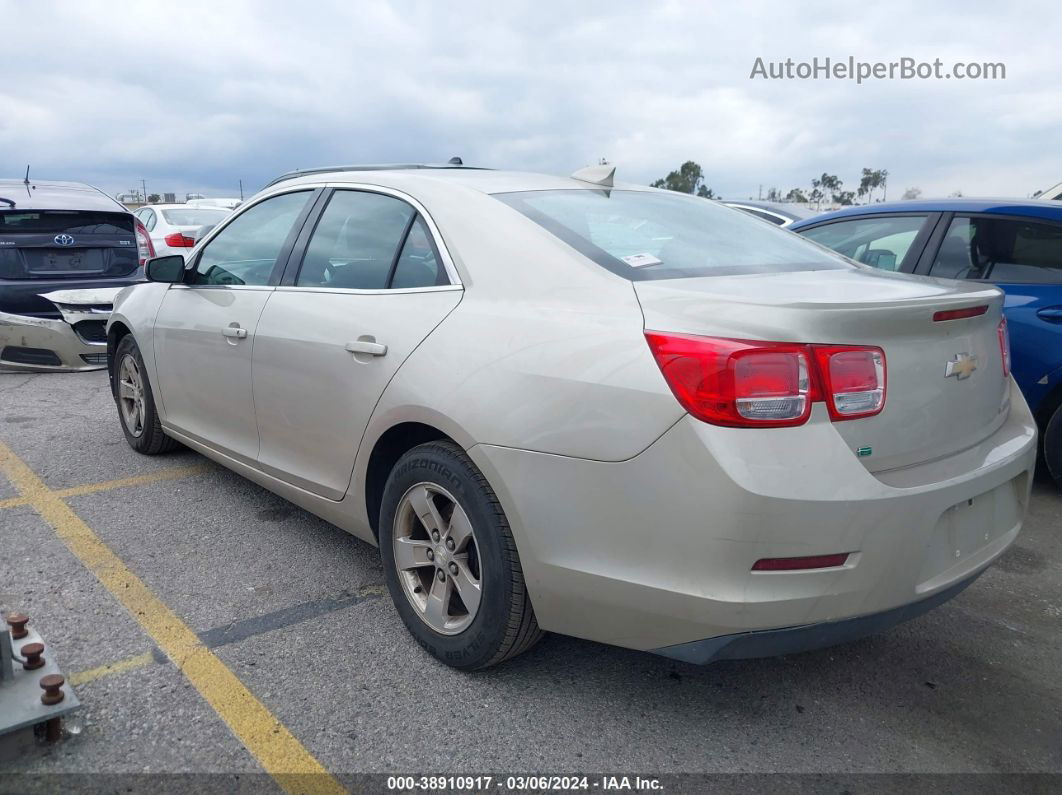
(235, 331)
(1052, 314)
(364, 346)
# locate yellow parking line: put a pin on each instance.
(277, 750)
(119, 667)
(13, 502)
(170, 473)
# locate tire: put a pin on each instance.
(503, 624)
(137, 414)
(1052, 446)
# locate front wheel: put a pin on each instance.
(136, 404)
(450, 560)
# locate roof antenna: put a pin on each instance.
(26, 180)
(455, 161)
(598, 175)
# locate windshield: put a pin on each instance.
(197, 216)
(643, 235)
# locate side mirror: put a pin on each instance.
(880, 258)
(202, 232)
(165, 269)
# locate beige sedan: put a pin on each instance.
(598, 409)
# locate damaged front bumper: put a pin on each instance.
(77, 341)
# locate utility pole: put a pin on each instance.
(143, 185)
(241, 190)
(760, 194)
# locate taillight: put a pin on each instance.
(145, 249)
(959, 314)
(853, 380)
(177, 240)
(1004, 344)
(753, 384)
(735, 382)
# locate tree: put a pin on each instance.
(154, 198)
(911, 193)
(796, 195)
(774, 195)
(844, 197)
(824, 187)
(688, 179)
(870, 180)
(956, 195)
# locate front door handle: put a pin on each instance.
(235, 331)
(365, 346)
(1052, 314)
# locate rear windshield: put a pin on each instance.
(644, 235)
(193, 216)
(73, 222)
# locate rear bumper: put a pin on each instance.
(657, 551)
(791, 640)
(42, 345)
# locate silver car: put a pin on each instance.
(603, 410)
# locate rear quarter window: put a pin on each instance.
(647, 235)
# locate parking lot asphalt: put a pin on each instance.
(293, 609)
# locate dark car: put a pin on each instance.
(65, 251)
(1015, 244)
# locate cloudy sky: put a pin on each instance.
(196, 95)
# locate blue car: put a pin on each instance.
(1015, 244)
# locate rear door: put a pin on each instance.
(1023, 257)
(61, 248)
(205, 328)
(370, 283)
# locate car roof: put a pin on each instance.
(42, 195)
(1028, 207)
(177, 206)
(481, 179)
(781, 208)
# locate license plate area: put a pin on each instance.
(969, 526)
(64, 262)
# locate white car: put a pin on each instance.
(604, 410)
(173, 227)
(228, 204)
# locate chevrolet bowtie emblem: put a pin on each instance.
(962, 366)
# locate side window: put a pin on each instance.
(418, 265)
(355, 242)
(148, 218)
(246, 250)
(1000, 250)
(882, 242)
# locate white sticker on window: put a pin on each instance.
(641, 260)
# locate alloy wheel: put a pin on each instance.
(131, 395)
(437, 558)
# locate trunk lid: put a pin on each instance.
(928, 414)
(66, 244)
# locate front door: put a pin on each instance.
(370, 287)
(205, 328)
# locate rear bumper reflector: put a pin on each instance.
(798, 564)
